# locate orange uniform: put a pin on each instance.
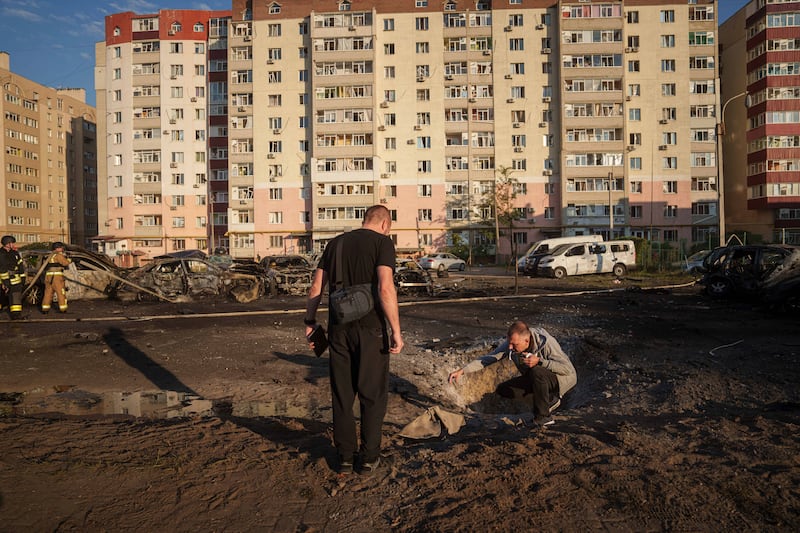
(54, 281)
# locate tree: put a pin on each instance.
(499, 201)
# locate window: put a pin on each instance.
(635, 163)
(424, 190)
(421, 23)
(634, 113)
(633, 66)
(423, 48)
(667, 41)
(667, 65)
(636, 211)
(388, 24)
(668, 89)
(670, 187)
(667, 15)
(636, 187)
(633, 17)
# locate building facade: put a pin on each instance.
(603, 115)
(49, 155)
(761, 143)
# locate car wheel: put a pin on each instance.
(719, 287)
(441, 268)
(620, 270)
(462, 267)
(34, 295)
(560, 273)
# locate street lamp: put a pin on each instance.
(720, 132)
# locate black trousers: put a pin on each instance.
(359, 365)
(536, 381)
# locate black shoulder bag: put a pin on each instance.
(349, 303)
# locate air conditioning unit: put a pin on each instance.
(516, 124)
(634, 49)
(381, 128)
(193, 99)
(196, 186)
(510, 101)
(172, 121)
(543, 124)
(384, 105)
(410, 141)
(547, 172)
(420, 78)
(546, 50)
(173, 208)
(276, 132)
(487, 52)
(384, 200)
(242, 109)
(448, 77)
(545, 99)
(173, 165)
(508, 28)
(270, 156)
(384, 175)
(165, 132)
(518, 149)
(663, 121)
(242, 202)
(472, 100)
(627, 98)
(171, 32)
(351, 28)
(417, 127)
(246, 38)
(507, 76)
(540, 26)
(662, 147)
(630, 148)
(270, 62)
(273, 179)
(628, 50)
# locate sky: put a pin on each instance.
(52, 42)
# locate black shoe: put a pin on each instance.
(544, 421)
(368, 467)
(45, 312)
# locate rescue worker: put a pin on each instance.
(12, 275)
(54, 278)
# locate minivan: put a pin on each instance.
(616, 257)
(544, 247)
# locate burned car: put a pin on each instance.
(288, 274)
(174, 277)
(770, 273)
(91, 275)
(410, 278)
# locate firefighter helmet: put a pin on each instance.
(56, 245)
(7, 239)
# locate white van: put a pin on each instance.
(539, 249)
(589, 258)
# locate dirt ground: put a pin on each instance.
(215, 416)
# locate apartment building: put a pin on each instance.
(48, 151)
(601, 113)
(163, 118)
(760, 52)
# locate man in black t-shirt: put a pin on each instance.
(359, 350)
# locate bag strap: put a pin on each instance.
(338, 282)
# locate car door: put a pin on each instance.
(577, 261)
(202, 278)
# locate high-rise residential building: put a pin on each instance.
(602, 114)
(48, 152)
(163, 130)
(760, 53)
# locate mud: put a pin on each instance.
(211, 415)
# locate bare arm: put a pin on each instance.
(315, 297)
(388, 295)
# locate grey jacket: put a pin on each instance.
(544, 346)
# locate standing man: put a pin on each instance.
(359, 350)
(546, 372)
(12, 275)
(54, 278)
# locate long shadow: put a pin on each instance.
(137, 359)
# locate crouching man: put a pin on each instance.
(546, 372)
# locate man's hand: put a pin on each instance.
(397, 342)
(530, 360)
(310, 329)
(455, 376)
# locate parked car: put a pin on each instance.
(91, 275)
(442, 262)
(289, 274)
(750, 270)
(539, 249)
(615, 257)
(694, 263)
(172, 277)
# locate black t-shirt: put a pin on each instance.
(363, 251)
